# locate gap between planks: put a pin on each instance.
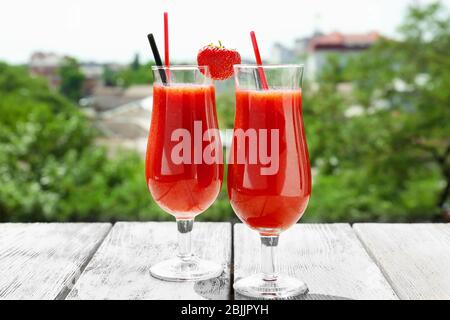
(415, 258)
(363, 279)
(328, 257)
(44, 260)
(63, 294)
(120, 267)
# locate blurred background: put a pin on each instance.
(76, 100)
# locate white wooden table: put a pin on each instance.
(337, 261)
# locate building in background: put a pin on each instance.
(126, 126)
(46, 65)
(122, 115)
(314, 50)
(105, 98)
(93, 72)
(282, 54)
(344, 46)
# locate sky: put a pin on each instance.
(114, 30)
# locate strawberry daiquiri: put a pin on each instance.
(270, 203)
(184, 158)
(189, 188)
(269, 173)
(182, 181)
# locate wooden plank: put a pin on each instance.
(120, 268)
(43, 260)
(415, 258)
(328, 257)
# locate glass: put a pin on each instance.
(181, 178)
(269, 174)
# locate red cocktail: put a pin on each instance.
(273, 202)
(188, 188)
(184, 167)
(269, 175)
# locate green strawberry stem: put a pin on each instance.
(219, 46)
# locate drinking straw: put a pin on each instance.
(166, 39)
(157, 57)
(262, 75)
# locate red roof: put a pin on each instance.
(337, 40)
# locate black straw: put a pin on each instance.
(157, 57)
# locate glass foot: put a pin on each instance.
(255, 286)
(194, 269)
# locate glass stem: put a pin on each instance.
(184, 238)
(268, 248)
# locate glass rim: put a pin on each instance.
(180, 67)
(269, 66)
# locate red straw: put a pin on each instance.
(262, 75)
(166, 39)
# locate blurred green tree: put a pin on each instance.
(413, 83)
(136, 64)
(110, 77)
(225, 105)
(136, 74)
(72, 79)
(133, 74)
(50, 167)
(382, 151)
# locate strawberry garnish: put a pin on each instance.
(219, 60)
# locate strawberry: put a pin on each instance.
(219, 59)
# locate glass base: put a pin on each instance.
(194, 269)
(255, 286)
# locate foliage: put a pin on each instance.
(136, 63)
(141, 75)
(225, 110)
(391, 160)
(135, 73)
(50, 168)
(110, 77)
(72, 79)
